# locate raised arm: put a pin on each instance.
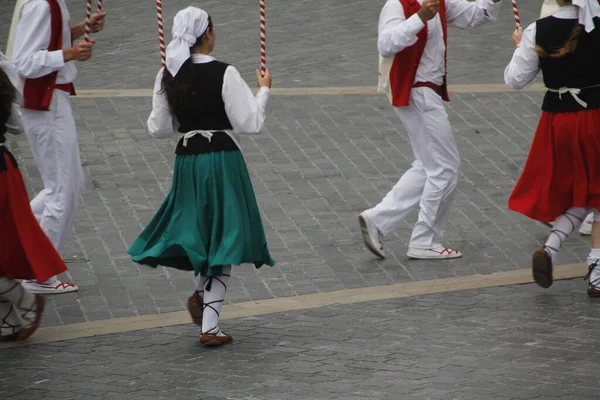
(525, 64)
(465, 14)
(245, 111)
(395, 31)
(161, 123)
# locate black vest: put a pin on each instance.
(205, 110)
(578, 69)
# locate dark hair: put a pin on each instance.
(8, 94)
(180, 88)
(569, 46)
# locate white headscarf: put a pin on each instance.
(188, 25)
(588, 9)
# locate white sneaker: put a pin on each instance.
(586, 226)
(371, 235)
(437, 253)
(50, 287)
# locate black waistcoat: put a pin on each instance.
(578, 69)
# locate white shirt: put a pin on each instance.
(397, 33)
(245, 111)
(32, 38)
(525, 63)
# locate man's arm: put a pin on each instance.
(96, 25)
(395, 31)
(468, 15)
(32, 38)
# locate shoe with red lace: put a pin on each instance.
(435, 253)
(50, 287)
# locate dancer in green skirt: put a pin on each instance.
(210, 219)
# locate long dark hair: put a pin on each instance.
(8, 94)
(180, 88)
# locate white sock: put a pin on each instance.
(200, 282)
(562, 228)
(17, 306)
(214, 296)
(594, 264)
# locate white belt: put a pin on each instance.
(574, 92)
(206, 134)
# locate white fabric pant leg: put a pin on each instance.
(55, 147)
(432, 181)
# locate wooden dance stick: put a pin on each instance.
(263, 38)
(88, 17)
(516, 13)
(161, 33)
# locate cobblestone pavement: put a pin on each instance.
(516, 342)
(320, 161)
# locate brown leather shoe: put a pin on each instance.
(593, 291)
(542, 268)
(30, 330)
(214, 340)
(195, 306)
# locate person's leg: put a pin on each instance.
(195, 304)
(544, 258)
(441, 161)
(214, 296)
(405, 196)
(594, 259)
(55, 146)
(20, 311)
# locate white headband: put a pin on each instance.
(188, 25)
(588, 9)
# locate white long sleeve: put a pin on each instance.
(32, 38)
(161, 123)
(395, 31)
(245, 111)
(469, 15)
(525, 65)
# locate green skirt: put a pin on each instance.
(209, 219)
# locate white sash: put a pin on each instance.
(13, 27)
(385, 66)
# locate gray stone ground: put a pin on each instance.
(507, 343)
(320, 161)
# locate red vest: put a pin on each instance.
(405, 64)
(37, 93)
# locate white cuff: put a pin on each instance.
(415, 24)
(56, 59)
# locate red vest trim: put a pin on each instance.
(37, 93)
(405, 64)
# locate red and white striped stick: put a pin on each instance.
(88, 17)
(161, 33)
(516, 13)
(263, 38)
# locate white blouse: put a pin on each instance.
(525, 64)
(245, 111)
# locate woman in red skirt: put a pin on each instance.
(25, 251)
(561, 178)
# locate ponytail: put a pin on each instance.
(569, 46)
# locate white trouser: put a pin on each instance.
(55, 147)
(432, 181)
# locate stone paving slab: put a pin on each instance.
(310, 42)
(320, 161)
(509, 343)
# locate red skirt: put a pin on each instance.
(563, 166)
(25, 250)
